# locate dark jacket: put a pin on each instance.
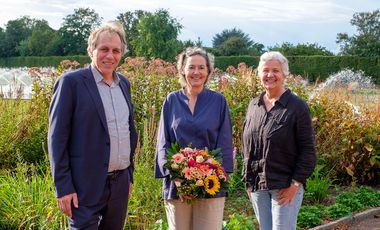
(278, 145)
(78, 138)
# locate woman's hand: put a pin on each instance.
(181, 196)
(286, 195)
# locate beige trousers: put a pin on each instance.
(203, 214)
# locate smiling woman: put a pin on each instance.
(278, 147)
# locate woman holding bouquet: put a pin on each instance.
(196, 116)
(278, 147)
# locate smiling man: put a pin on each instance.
(92, 137)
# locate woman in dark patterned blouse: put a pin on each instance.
(278, 147)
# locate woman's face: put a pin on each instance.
(196, 71)
(271, 75)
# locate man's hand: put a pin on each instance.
(130, 190)
(64, 203)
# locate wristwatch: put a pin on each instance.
(296, 183)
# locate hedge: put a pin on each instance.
(310, 67)
(40, 61)
(314, 67)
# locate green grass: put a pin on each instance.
(28, 202)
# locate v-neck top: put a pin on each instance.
(209, 126)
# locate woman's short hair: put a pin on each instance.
(192, 51)
(110, 27)
(274, 55)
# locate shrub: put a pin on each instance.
(318, 185)
(346, 139)
(309, 216)
(337, 210)
(239, 222)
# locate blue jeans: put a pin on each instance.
(272, 216)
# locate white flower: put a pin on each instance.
(199, 159)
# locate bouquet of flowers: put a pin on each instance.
(196, 172)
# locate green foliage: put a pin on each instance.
(239, 222)
(307, 49)
(44, 41)
(32, 61)
(219, 39)
(313, 68)
(367, 41)
(235, 42)
(76, 28)
(27, 200)
(130, 20)
(16, 31)
(235, 180)
(157, 37)
(309, 216)
(337, 210)
(318, 185)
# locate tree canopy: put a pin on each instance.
(76, 28)
(130, 20)
(235, 42)
(157, 36)
(367, 40)
(300, 49)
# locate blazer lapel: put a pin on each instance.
(90, 83)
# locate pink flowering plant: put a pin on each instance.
(197, 173)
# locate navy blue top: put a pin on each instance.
(209, 126)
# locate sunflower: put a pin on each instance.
(212, 185)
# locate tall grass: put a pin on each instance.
(27, 200)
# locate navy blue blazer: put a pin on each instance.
(78, 138)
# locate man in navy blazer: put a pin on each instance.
(92, 137)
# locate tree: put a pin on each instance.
(157, 36)
(367, 41)
(44, 41)
(3, 50)
(130, 20)
(76, 28)
(16, 31)
(234, 46)
(235, 42)
(300, 49)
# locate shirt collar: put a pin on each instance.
(99, 78)
(283, 100)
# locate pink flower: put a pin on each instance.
(178, 158)
(187, 173)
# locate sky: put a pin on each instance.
(269, 22)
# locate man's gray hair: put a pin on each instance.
(110, 27)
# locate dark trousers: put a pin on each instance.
(110, 212)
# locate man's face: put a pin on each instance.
(107, 53)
